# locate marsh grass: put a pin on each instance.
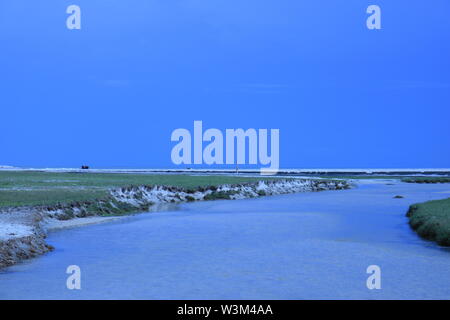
(41, 197)
(427, 180)
(431, 220)
(32, 188)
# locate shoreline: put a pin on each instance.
(57, 225)
(282, 172)
(23, 230)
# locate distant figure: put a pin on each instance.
(84, 167)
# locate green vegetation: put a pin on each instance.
(431, 220)
(221, 195)
(410, 179)
(29, 188)
(100, 207)
(427, 179)
(39, 197)
(33, 179)
(354, 177)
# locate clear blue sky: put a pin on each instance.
(110, 94)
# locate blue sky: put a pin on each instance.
(110, 94)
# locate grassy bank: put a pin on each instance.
(427, 179)
(30, 188)
(431, 220)
(40, 197)
(409, 179)
(37, 179)
(355, 177)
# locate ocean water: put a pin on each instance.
(298, 246)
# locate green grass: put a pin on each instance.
(35, 179)
(16, 198)
(431, 220)
(427, 179)
(30, 188)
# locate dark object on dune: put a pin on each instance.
(398, 197)
(84, 167)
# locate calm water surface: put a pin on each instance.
(299, 246)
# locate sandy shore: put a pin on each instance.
(54, 224)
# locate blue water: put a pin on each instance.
(299, 246)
